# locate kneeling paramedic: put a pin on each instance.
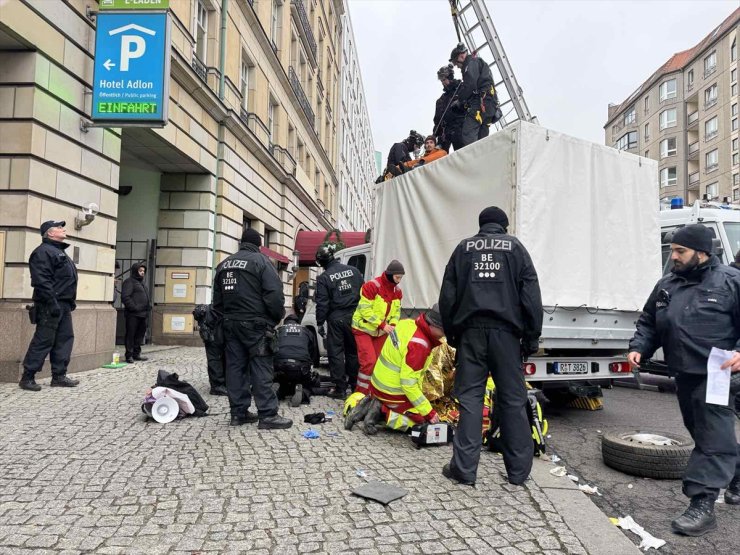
(692, 309)
(248, 292)
(210, 327)
(491, 309)
(293, 361)
(396, 395)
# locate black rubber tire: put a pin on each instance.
(666, 462)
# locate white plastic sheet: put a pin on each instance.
(588, 214)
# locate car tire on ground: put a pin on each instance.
(633, 453)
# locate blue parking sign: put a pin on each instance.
(131, 77)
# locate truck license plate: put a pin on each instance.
(571, 368)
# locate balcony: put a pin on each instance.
(299, 10)
(284, 158)
(199, 67)
(255, 125)
(694, 180)
(302, 99)
(693, 119)
(694, 151)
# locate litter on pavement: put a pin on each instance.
(648, 540)
(559, 471)
(311, 434)
(591, 490)
(380, 492)
(572, 478)
(361, 473)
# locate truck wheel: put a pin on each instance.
(650, 455)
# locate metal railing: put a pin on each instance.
(693, 148)
(256, 126)
(199, 67)
(305, 25)
(302, 98)
(711, 167)
(693, 117)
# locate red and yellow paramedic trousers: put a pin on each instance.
(368, 351)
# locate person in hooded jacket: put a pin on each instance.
(401, 152)
(136, 304)
(491, 311)
(54, 282)
(376, 316)
(692, 309)
(448, 119)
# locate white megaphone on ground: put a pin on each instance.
(165, 409)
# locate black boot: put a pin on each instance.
(219, 390)
(698, 519)
(250, 418)
(276, 422)
(297, 398)
(732, 493)
(63, 381)
(28, 383)
(373, 416)
(141, 358)
(450, 474)
(358, 413)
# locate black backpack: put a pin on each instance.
(173, 381)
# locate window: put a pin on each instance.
(359, 261)
(647, 153)
(247, 82)
(733, 75)
(668, 177)
(735, 179)
(201, 30)
(690, 78)
(647, 131)
(710, 96)
(735, 158)
(734, 145)
(711, 128)
(668, 147)
(712, 160)
(710, 63)
(647, 104)
(275, 24)
(733, 124)
(735, 194)
(712, 190)
(733, 90)
(630, 116)
(667, 118)
(733, 50)
(627, 141)
(668, 90)
(733, 109)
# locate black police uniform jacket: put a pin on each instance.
(477, 79)
(490, 282)
(445, 114)
(134, 295)
(398, 154)
(295, 342)
(53, 274)
(337, 292)
(247, 288)
(688, 315)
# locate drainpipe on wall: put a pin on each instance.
(222, 49)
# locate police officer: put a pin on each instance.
(337, 295)
(54, 282)
(477, 95)
(401, 152)
(448, 119)
(248, 292)
(210, 327)
(293, 361)
(492, 313)
(692, 309)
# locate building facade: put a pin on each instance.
(686, 117)
(251, 141)
(356, 164)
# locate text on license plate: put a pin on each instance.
(571, 367)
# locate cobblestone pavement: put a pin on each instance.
(81, 470)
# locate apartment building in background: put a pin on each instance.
(252, 140)
(685, 116)
(356, 164)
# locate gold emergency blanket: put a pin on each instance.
(438, 380)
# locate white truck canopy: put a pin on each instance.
(587, 213)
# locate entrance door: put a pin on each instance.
(128, 253)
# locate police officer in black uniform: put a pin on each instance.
(692, 309)
(210, 328)
(293, 361)
(248, 292)
(54, 282)
(401, 152)
(477, 95)
(448, 119)
(337, 295)
(492, 313)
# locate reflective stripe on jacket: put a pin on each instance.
(399, 373)
(380, 303)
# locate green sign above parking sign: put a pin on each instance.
(134, 4)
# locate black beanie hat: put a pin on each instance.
(252, 237)
(433, 317)
(493, 215)
(395, 268)
(695, 236)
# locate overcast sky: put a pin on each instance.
(572, 58)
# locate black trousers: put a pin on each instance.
(54, 337)
(289, 373)
(216, 357)
(135, 332)
(249, 369)
(715, 459)
(496, 351)
(342, 352)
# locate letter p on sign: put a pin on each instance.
(132, 47)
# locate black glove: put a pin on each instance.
(55, 311)
(421, 162)
(529, 347)
(322, 331)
